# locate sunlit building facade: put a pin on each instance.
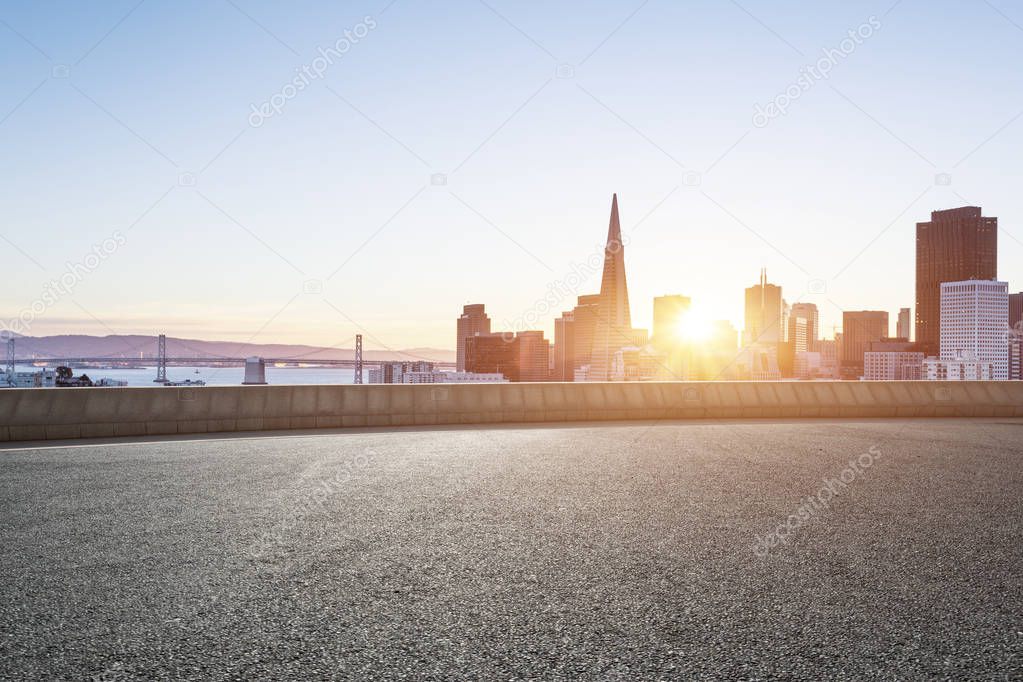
(975, 323)
(956, 245)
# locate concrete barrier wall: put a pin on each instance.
(41, 413)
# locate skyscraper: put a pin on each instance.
(902, 327)
(473, 321)
(534, 356)
(584, 323)
(859, 329)
(763, 313)
(564, 347)
(613, 327)
(974, 324)
(811, 318)
(956, 245)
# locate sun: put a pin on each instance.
(694, 326)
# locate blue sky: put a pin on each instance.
(109, 112)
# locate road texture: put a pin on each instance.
(620, 551)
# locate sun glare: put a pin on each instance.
(694, 326)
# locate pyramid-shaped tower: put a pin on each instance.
(613, 328)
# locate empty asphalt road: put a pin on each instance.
(756, 550)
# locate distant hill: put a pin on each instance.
(131, 346)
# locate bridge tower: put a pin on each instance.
(10, 360)
(358, 358)
(161, 360)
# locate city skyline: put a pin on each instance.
(233, 230)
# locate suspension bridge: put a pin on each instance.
(161, 360)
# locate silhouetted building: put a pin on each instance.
(859, 329)
(787, 358)
(524, 356)
(956, 245)
(584, 323)
(1015, 309)
(490, 353)
(564, 347)
(1016, 357)
(904, 325)
(763, 313)
(473, 321)
(613, 327)
(534, 356)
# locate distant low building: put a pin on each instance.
(44, 378)
(443, 377)
(892, 365)
(964, 368)
(395, 372)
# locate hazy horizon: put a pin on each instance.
(134, 123)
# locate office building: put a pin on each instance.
(492, 353)
(903, 326)
(892, 365)
(394, 372)
(810, 317)
(859, 329)
(956, 245)
(534, 356)
(962, 368)
(761, 363)
(1016, 357)
(524, 356)
(763, 313)
(584, 324)
(974, 323)
(473, 321)
(639, 364)
(830, 351)
(564, 347)
(807, 365)
(1015, 310)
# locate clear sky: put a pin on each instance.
(132, 122)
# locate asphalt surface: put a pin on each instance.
(605, 552)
